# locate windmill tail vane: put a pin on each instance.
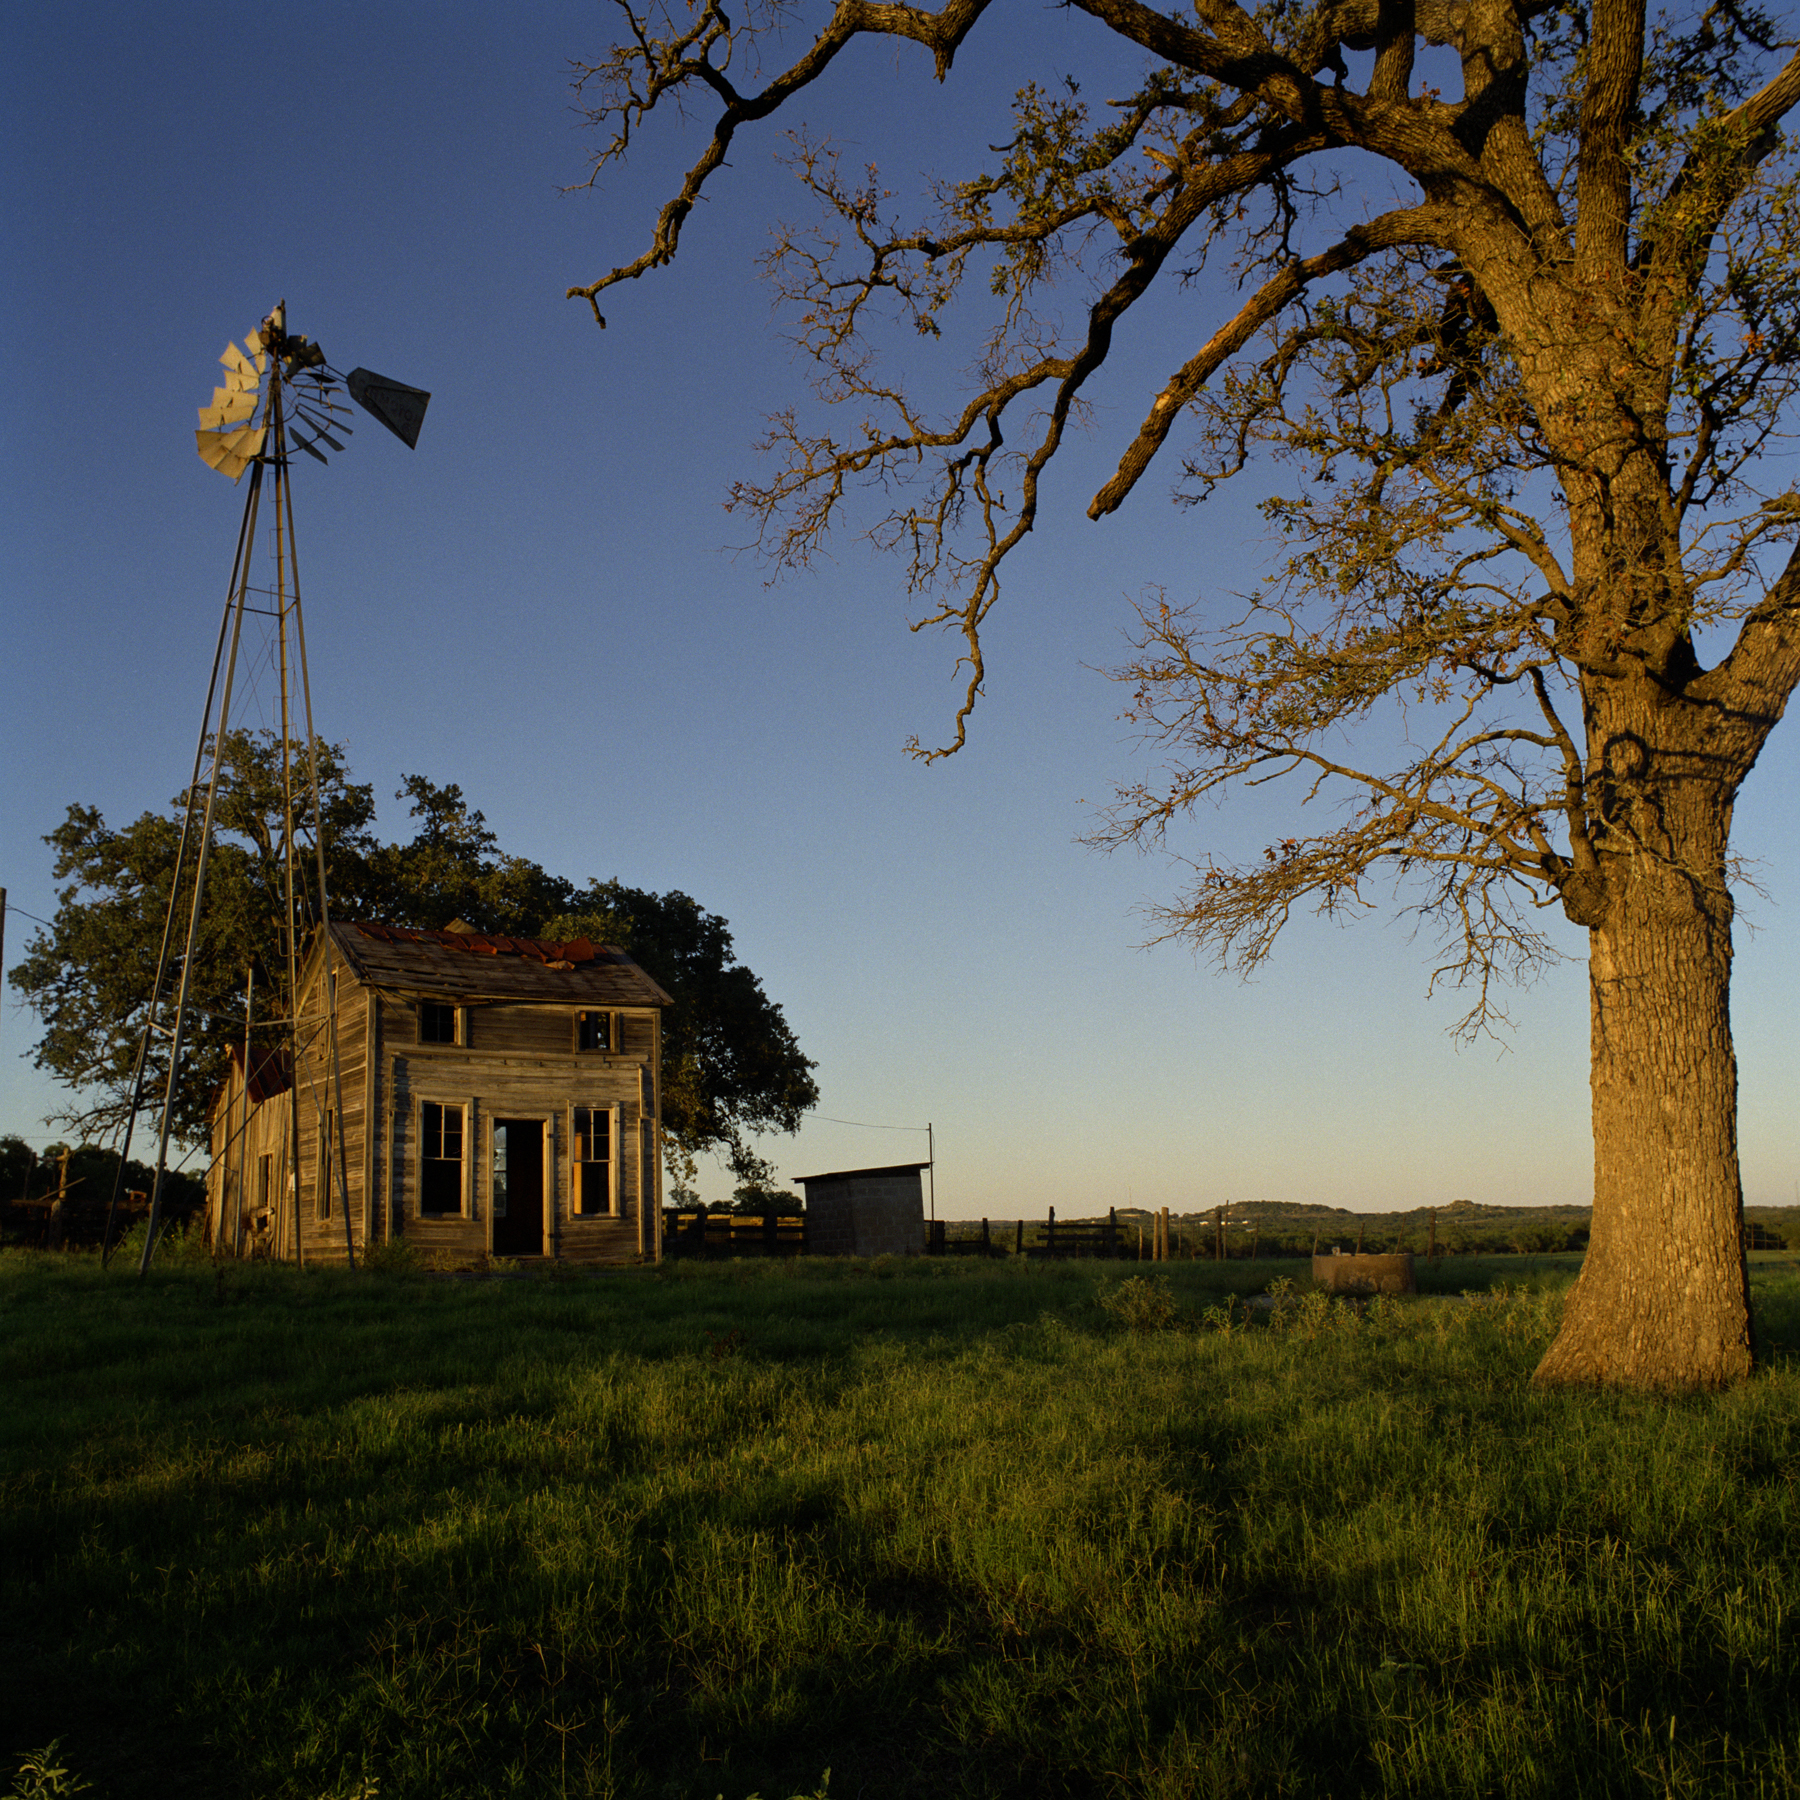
(302, 406)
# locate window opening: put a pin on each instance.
(594, 1031)
(440, 1158)
(437, 1023)
(593, 1160)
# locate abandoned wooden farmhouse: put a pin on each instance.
(498, 1097)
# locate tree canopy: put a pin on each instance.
(731, 1063)
(1517, 312)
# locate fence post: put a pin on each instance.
(1050, 1234)
(1112, 1232)
(1018, 1237)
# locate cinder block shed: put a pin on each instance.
(866, 1212)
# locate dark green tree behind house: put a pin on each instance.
(731, 1064)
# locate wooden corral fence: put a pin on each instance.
(1105, 1238)
(1141, 1237)
(75, 1222)
(696, 1232)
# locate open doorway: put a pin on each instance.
(518, 1187)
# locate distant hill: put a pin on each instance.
(1292, 1228)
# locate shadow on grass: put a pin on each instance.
(946, 1529)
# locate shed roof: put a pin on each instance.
(468, 965)
(865, 1174)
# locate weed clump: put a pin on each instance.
(42, 1775)
(1141, 1304)
(395, 1257)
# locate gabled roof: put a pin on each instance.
(468, 965)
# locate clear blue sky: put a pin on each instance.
(540, 604)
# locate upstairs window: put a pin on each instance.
(440, 1158)
(437, 1023)
(594, 1031)
(593, 1143)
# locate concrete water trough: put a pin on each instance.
(1340, 1274)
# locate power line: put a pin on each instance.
(864, 1125)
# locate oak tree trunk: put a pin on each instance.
(1662, 1301)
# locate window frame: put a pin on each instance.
(613, 1031)
(459, 1030)
(615, 1199)
(462, 1109)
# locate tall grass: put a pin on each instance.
(942, 1529)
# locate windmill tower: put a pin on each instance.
(279, 395)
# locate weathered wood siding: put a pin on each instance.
(512, 1062)
(259, 1228)
(516, 1062)
(321, 1217)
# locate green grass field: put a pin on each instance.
(941, 1528)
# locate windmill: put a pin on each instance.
(278, 394)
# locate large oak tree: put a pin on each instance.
(1517, 402)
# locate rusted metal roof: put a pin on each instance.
(474, 965)
(271, 1070)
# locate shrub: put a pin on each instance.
(185, 1243)
(395, 1257)
(1141, 1304)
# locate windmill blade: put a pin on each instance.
(254, 345)
(227, 408)
(300, 443)
(399, 407)
(241, 371)
(321, 433)
(230, 452)
(306, 411)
